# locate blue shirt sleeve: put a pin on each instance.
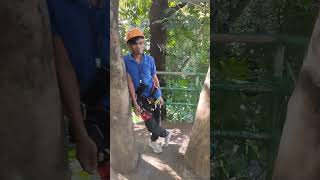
(125, 64)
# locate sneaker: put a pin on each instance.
(155, 147)
(167, 138)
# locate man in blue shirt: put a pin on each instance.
(81, 44)
(144, 88)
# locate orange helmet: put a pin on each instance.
(134, 32)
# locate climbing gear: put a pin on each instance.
(140, 88)
(167, 138)
(134, 32)
(99, 87)
(97, 131)
(147, 105)
(145, 116)
(146, 108)
(155, 147)
(104, 168)
(104, 172)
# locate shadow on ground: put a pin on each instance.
(167, 165)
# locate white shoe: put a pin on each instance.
(155, 147)
(167, 138)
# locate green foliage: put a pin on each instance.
(188, 39)
(241, 159)
(71, 154)
(134, 13)
(182, 113)
(254, 112)
(76, 172)
(244, 111)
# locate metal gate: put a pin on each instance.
(245, 133)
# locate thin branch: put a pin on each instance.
(170, 11)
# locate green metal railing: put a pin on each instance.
(195, 89)
(272, 133)
(181, 94)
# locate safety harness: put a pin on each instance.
(147, 104)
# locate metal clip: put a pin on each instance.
(84, 111)
(98, 63)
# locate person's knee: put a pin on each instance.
(150, 125)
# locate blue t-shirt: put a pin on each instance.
(85, 34)
(142, 72)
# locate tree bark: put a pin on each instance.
(298, 153)
(124, 155)
(198, 151)
(32, 127)
(264, 16)
(158, 40)
(236, 11)
(158, 33)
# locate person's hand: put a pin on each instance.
(86, 151)
(137, 110)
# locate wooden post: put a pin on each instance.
(276, 104)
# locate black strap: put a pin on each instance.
(99, 88)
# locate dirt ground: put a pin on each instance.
(168, 165)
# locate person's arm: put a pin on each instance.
(69, 89)
(154, 73)
(132, 93)
(156, 80)
(131, 90)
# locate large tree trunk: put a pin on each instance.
(198, 151)
(298, 154)
(264, 16)
(32, 128)
(123, 153)
(158, 33)
(158, 40)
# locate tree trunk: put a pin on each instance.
(264, 16)
(32, 128)
(198, 151)
(213, 17)
(158, 40)
(158, 33)
(123, 152)
(298, 154)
